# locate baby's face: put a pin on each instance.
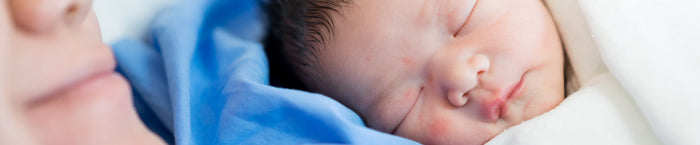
(444, 71)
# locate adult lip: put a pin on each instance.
(100, 64)
(100, 67)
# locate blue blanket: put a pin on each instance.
(203, 79)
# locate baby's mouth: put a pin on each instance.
(496, 109)
(514, 94)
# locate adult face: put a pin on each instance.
(60, 76)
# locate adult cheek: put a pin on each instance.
(4, 47)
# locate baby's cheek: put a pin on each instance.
(438, 130)
(447, 130)
(408, 61)
(438, 127)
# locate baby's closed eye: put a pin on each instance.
(458, 13)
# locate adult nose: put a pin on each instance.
(44, 15)
(457, 72)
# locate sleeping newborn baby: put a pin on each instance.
(434, 71)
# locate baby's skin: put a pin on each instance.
(443, 71)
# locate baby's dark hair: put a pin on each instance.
(298, 31)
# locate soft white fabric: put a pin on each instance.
(653, 49)
(638, 62)
(600, 113)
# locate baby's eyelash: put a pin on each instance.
(460, 28)
(464, 24)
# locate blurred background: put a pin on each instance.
(126, 18)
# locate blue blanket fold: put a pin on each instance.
(203, 79)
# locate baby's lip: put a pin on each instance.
(515, 93)
(494, 109)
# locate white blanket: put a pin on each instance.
(638, 65)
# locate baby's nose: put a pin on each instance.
(480, 64)
(477, 66)
(458, 73)
(43, 15)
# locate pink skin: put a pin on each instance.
(445, 71)
(59, 83)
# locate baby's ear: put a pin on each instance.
(43, 15)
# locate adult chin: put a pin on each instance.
(96, 111)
